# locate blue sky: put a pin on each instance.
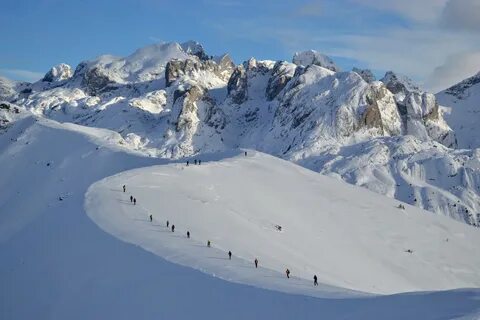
(424, 39)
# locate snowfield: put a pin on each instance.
(58, 264)
(350, 237)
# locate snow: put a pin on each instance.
(341, 233)
(462, 103)
(312, 57)
(336, 123)
(57, 263)
(58, 73)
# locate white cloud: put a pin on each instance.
(456, 68)
(412, 52)
(417, 10)
(463, 15)
(23, 75)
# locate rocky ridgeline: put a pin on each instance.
(179, 101)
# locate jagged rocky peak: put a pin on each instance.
(177, 69)
(312, 57)
(419, 110)
(460, 89)
(282, 73)
(237, 85)
(381, 111)
(225, 65)
(194, 48)
(252, 80)
(58, 73)
(94, 79)
(366, 74)
(399, 85)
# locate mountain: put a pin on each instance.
(174, 100)
(463, 100)
(62, 189)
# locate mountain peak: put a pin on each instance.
(312, 57)
(460, 89)
(58, 73)
(194, 48)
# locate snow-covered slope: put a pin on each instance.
(350, 237)
(174, 100)
(58, 264)
(463, 113)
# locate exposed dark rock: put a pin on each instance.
(281, 75)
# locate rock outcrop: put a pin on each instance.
(58, 73)
(366, 74)
(419, 110)
(312, 57)
(282, 73)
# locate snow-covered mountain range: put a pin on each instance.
(174, 100)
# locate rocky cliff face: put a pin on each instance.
(419, 110)
(177, 101)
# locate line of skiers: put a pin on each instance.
(133, 200)
(199, 162)
(287, 272)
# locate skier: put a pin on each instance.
(195, 161)
(173, 228)
(187, 163)
(315, 280)
(245, 153)
(131, 198)
(124, 188)
(151, 218)
(134, 201)
(256, 263)
(199, 162)
(208, 243)
(230, 255)
(168, 223)
(188, 234)
(288, 273)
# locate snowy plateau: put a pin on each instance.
(372, 186)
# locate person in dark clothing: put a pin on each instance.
(315, 280)
(199, 162)
(195, 161)
(230, 255)
(131, 198)
(151, 218)
(124, 188)
(173, 228)
(245, 153)
(256, 263)
(187, 163)
(134, 201)
(188, 234)
(288, 273)
(168, 223)
(208, 243)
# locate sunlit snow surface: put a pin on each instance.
(56, 263)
